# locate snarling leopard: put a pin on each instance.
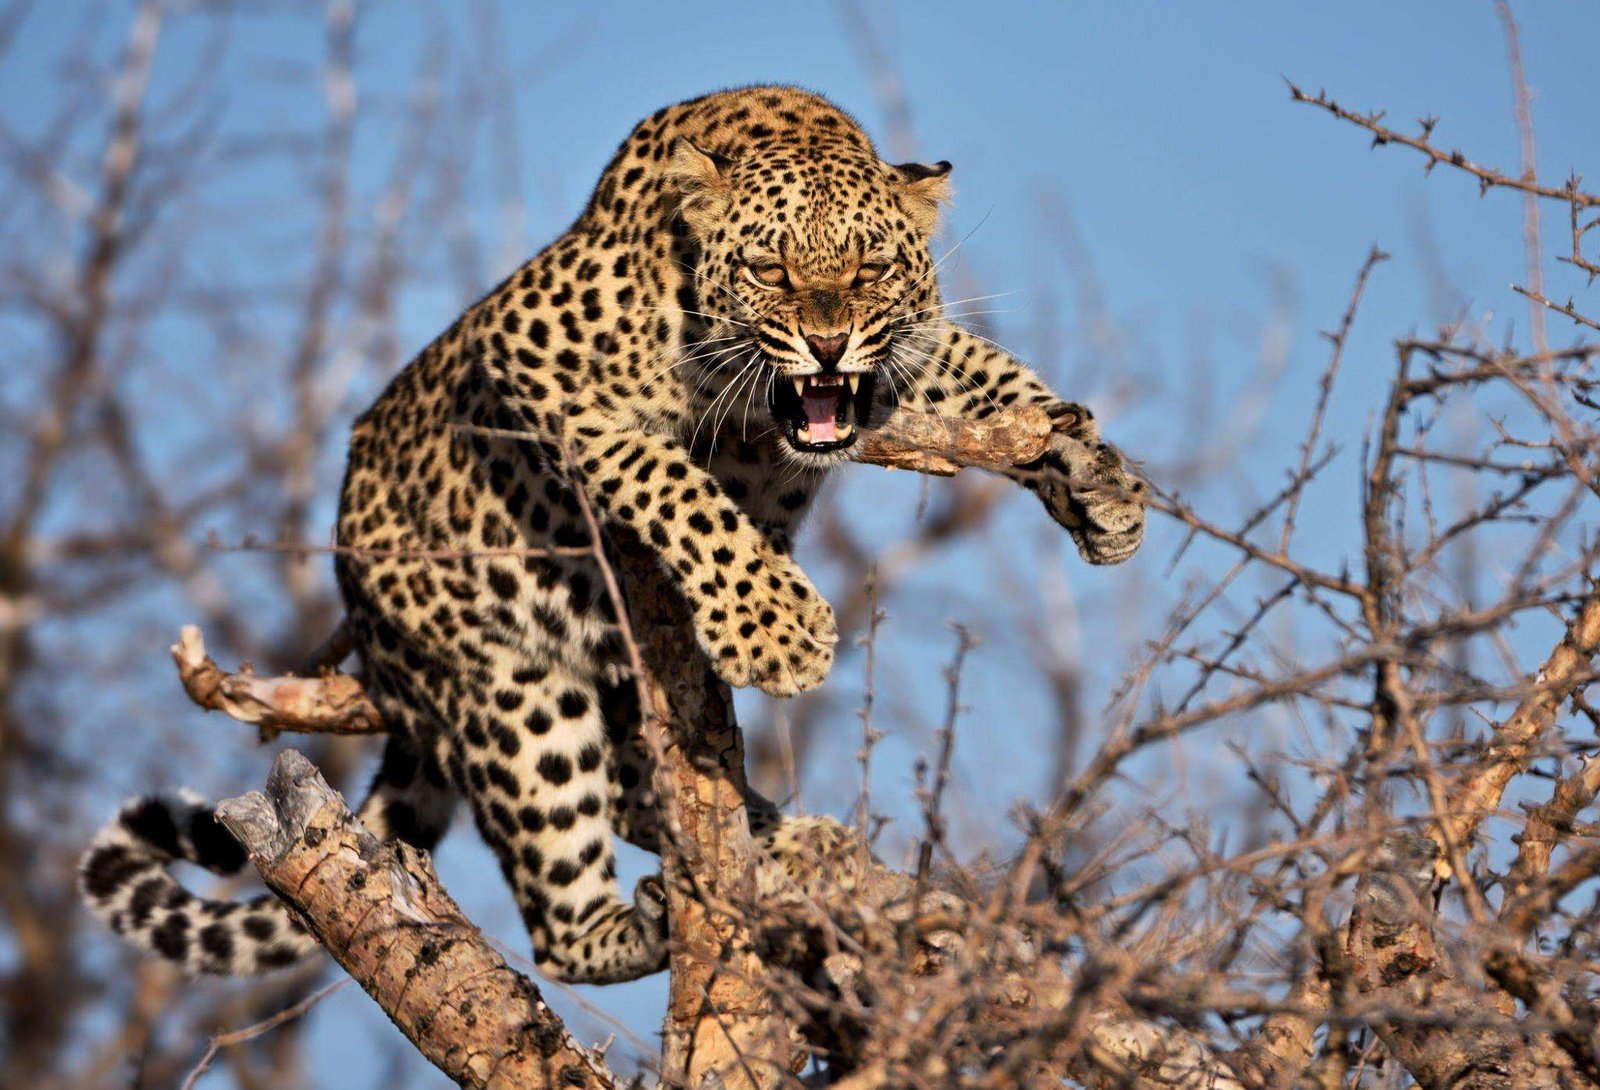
(749, 288)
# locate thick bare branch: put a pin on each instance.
(1516, 741)
(380, 911)
(1547, 826)
(1396, 964)
(943, 445)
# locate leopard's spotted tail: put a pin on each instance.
(124, 875)
(125, 879)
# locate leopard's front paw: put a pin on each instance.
(1085, 486)
(770, 629)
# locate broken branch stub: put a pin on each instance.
(333, 703)
(380, 910)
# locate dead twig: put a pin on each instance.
(251, 1032)
(332, 703)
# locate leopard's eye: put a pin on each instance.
(871, 272)
(770, 275)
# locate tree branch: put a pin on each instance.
(1516, 741)
(1395, 963)
(333, 703)
(336, 703)
(942, 445)
(380, 911)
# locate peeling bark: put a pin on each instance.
(943, 445)
(380, 911)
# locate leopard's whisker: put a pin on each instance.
(685, 360)
(979, 336)
(750, 400)
(948, 254)
(898, 370)
(964, 381)
(749, 386)
(945, 306)
(943, 318)
(731, 391)
(710, 409)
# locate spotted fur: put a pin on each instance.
(747, 273)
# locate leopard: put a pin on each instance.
(749, 289)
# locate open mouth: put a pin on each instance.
(819, 413)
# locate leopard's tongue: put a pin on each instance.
(821, 411)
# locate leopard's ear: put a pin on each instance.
(700, 178)
(922, 187)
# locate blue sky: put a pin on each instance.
(1197, 191)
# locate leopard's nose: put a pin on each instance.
(827, 350)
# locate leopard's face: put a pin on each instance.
(813, 275)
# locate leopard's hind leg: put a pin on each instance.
(532, 755)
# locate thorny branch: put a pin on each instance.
(1580, 203)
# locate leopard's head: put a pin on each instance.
(812, 274)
